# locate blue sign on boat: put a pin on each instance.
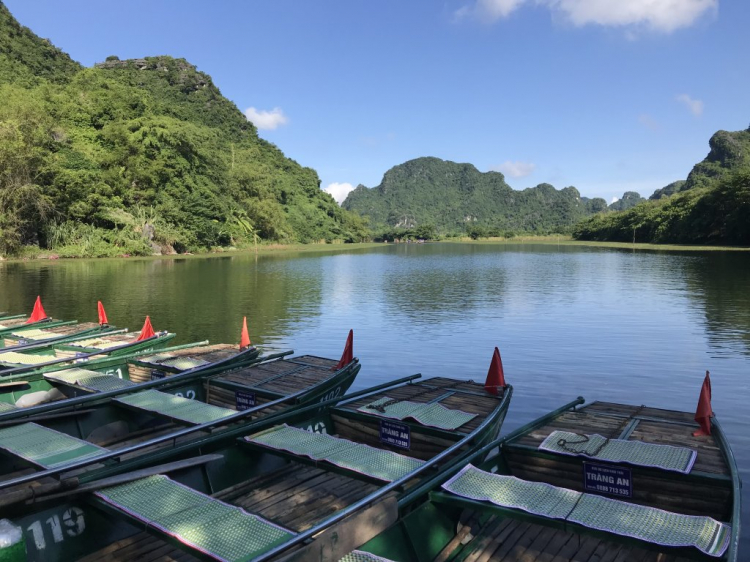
(608, 479)
(157, 375)
(396, 434)
(244, 400)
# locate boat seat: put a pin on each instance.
(87, 380)
(182, 363)
(362, 556)
(430, 414)
(206, 525)
(638, 453)
(641, 522)
(45, 447)
(34, 334)
(174, 407)
(106, 342)
(16, 358)
(376, 463)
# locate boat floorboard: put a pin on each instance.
(296, 497)
(663, 427)
(511, 540)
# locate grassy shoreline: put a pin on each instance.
(271, 249)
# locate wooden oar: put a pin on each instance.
(75, 489)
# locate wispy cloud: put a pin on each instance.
(649, 122)
(266, 120)
(339, 191)
(515, 169)
(657, 15)
(694, 106)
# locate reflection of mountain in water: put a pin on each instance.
(720, 283)
(200, 298)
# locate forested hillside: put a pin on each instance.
(140, 156)
(711, 207)
(459, 198)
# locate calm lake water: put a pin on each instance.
(616, 325)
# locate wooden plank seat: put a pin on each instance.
(43, 446)
(626, 519)
(431, 414)
(363, 459)
(174, 407)
(87, 380)
(639, 453)
(206, 525)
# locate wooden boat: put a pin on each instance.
(20, 324)
(297, 481)
(648, 490)
(60, 356)
(38, 338)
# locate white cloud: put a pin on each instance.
(695, 106)
(515, 169)
(266, 120)
(339, 191)
(614, 200)
(658, 15)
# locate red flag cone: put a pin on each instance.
(38, 313)
(245, 337)
(102, 314)
(348, 354)
(495, 376)
(704, 412)
(147, 331)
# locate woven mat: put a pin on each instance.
(90, 380)
(362, 556)
(156, 358)
(666, 457)
(16, 358)
(102, 343)
(7, 407)
(45, 447)
(432, 414)
(34, 334)
(184, 363)
(377, 463)
(175, 407)
(596, 512)
(201, 522)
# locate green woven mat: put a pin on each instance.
(34, 334)
(432, 414)
(362, 556)
(6, 407)
(184, 363)
(15, 358)
(45, 447)
(666, 457)
(652, 525)
(380, 464)
(615, 516)
(208, 525)
(156, 358)
(175, 407)
(102, 343)
(91, 380)
(508, 491)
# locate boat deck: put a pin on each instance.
(282, 377)
(140, 369)
(296, 497)
(511, 540)
(706, 490)
(13, 340)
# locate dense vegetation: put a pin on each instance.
(451, 197)
(133, 157)
(711, 207)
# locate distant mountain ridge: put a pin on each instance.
(455, 196)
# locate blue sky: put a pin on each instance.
(605, 95)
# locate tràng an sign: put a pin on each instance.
(608, 479)
(244, 400)
(157, 375)
(395, 434)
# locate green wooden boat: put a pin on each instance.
(648, 490)
(305, 480)
(61, 356)
(40, 387)
(38, 338)
(19, 324)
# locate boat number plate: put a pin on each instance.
(244, 400)
(608, 479)
(157, 375)
(396, 434)
(22, 341)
